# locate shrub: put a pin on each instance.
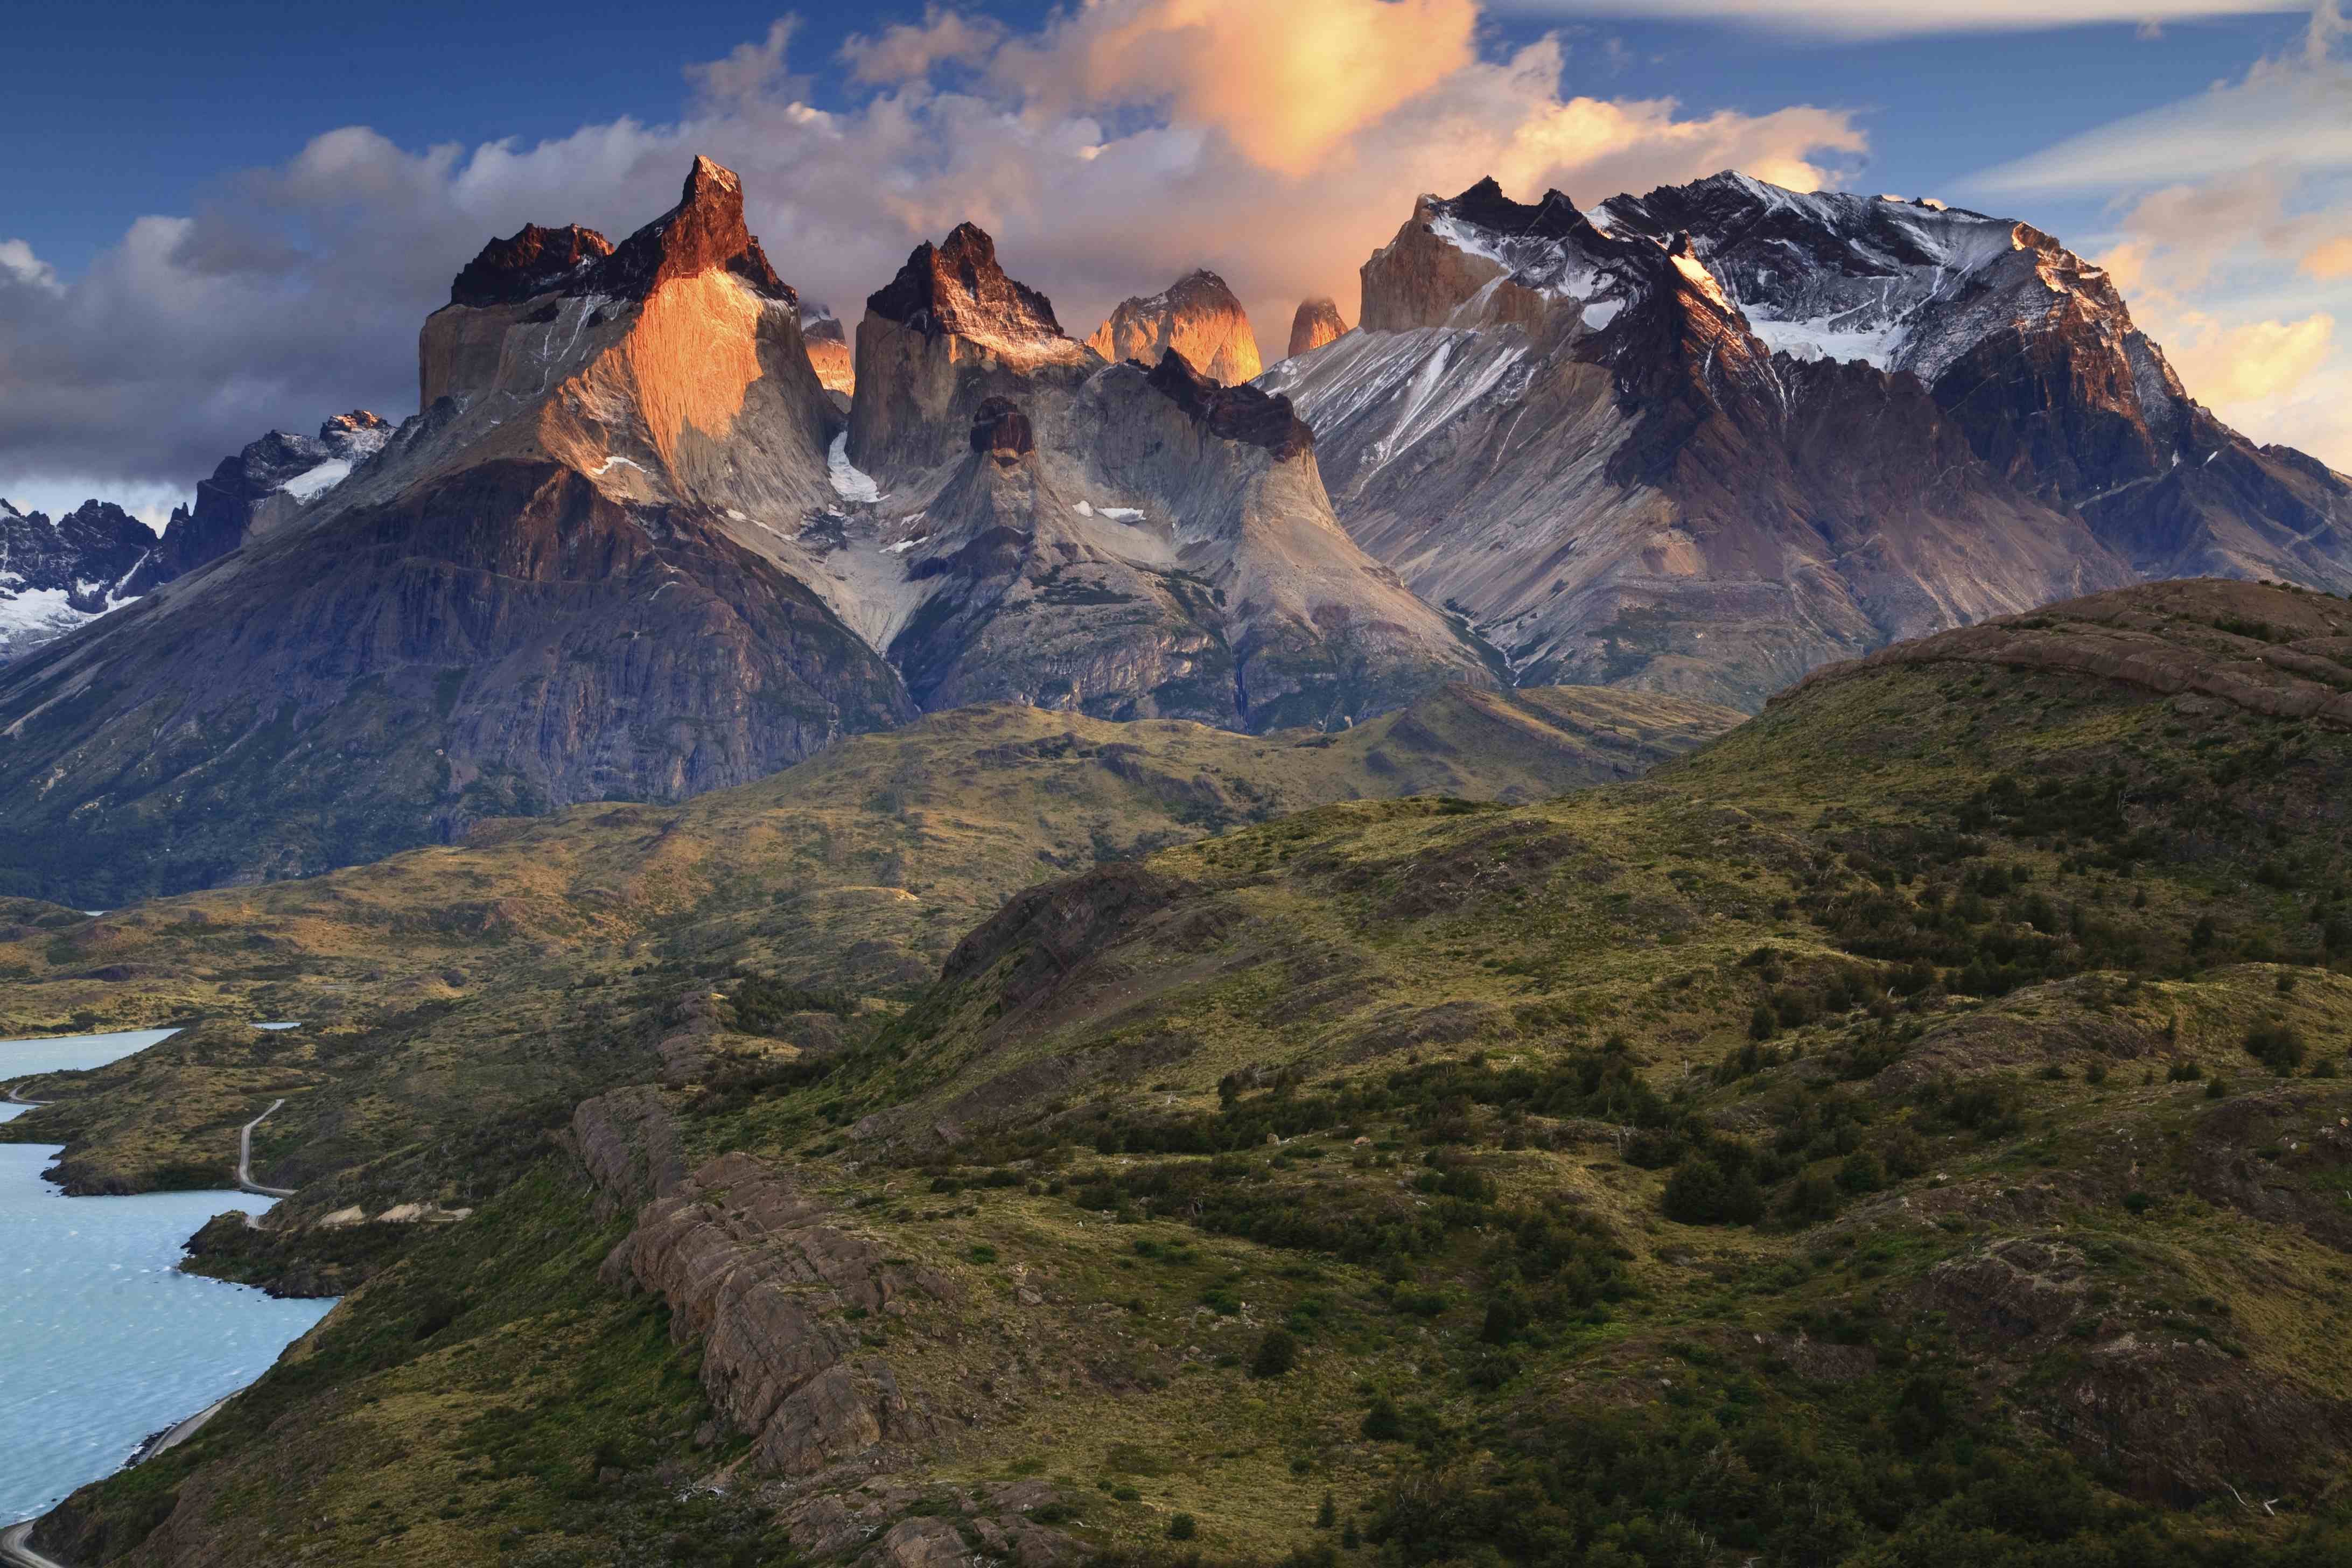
(1383, 1423)
(983, 1253)
(1862, 1172)
(2276, 1045)
(1182, 1527)
(2218, 1090)
(1277, 1353)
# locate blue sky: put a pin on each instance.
(204, 244)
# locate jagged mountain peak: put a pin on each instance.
(705, 230)
(1197, 314)
(957, 288)
(527, 263)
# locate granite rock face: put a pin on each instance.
(1317, 322)
(1196, 316)
(828, 349)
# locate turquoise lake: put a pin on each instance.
(102, 1339)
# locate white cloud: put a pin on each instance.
(1108, 150)
(23, 269)
(1895, 18)
(906, 51)
(2291, 113)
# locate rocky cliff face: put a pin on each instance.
(1197, 317)
(573, 576)
(1123, 541)
(1710, 438)
(1317, 322)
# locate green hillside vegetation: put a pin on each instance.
(1911, 1130)
(497, 981)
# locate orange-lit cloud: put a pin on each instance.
(1286, 83)
(2330, 259)
(2252, 361)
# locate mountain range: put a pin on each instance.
(662, 527)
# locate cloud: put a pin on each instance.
(1883, 19)
(2290, 113)
(905, 52)
(1108, 149)
(2330, 259)
(1286, 83)
(749, 69)
(19, 268)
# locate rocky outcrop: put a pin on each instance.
(1198, 317)
(527, 264)
(265, 486)
(1317, 322)
(56, 575)
(628, 1142)
(1246, 414)
(755, 1272)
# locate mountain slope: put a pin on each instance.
(1707, 439)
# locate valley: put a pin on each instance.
(1926, 1089)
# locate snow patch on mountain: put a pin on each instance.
(849, 481)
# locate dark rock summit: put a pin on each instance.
(707, 229)
(532, 262)
(957, 287)
(1244, 413)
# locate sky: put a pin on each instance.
(217, 220)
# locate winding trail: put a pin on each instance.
(245, 1158)
(15, 1550)
(8, 1094)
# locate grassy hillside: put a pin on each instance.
(1910, 1129)
(501, 979)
